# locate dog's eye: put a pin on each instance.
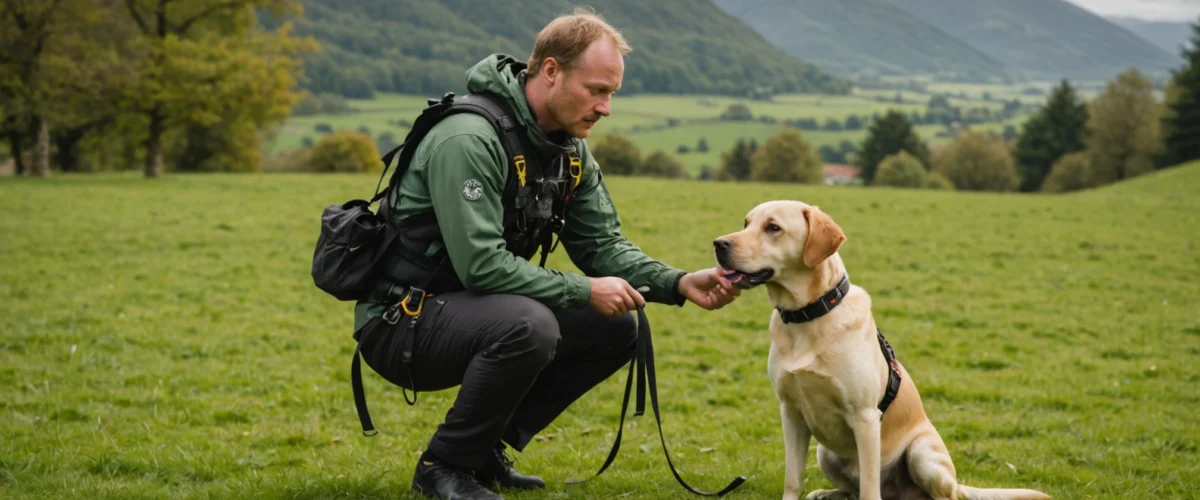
(745, 224)
(771, 228)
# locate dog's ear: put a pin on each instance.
(824, 237)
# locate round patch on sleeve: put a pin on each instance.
(472, 189)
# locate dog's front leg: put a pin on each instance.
(866, 427)
(796, 437)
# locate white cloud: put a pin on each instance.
(1155, 10)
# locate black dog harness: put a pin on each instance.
(826, 303)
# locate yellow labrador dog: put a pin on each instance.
(835, 375)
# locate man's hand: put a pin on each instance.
(708, 289)
(614, 296)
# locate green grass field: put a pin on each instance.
(163, 339)
(646, 119)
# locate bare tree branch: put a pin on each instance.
(136, 17)
(183, 27)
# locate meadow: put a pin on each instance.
(665, 122)
(163, 339)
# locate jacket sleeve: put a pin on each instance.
(466, 174)
(593, 240)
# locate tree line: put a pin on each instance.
(87, 84)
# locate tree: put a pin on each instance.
(1072, 172)
(787, 157)
(977, 161)
(1055, 130)
(847, 146)
(901, 170)
(737, 112)
(1010, 133)
(830, 155)
(202, 59)
(736, 163)
(1181, 122)
(345, 151)
(888, 136)
(702, 145)
(617, 155)
(30, 54)
(661, 164)
(1123, 129)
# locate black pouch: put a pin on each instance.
(351, 244)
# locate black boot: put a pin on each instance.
(499, 471)
(442, 480)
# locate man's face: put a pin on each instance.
(579, 96)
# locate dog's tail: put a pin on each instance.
(969, 493)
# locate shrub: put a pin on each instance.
(617, 155)
(936, 180)
(345, 151)
(737, 112)
(787, 157)
(901, 170)
(976, 161)
(660, 164)
(1072, 172)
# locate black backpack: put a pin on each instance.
(354, 240)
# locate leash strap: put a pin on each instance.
(644, 364)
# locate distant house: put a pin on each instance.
(836, 173)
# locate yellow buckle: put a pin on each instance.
(519, 162)
(576, 171)
(404, 303)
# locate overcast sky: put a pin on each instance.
(1156, 10)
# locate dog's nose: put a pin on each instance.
(722, 243)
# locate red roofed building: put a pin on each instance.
(836, 173)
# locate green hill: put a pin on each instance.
(863, 36)
(1166, 34)
(424, 46)
(1048, 38)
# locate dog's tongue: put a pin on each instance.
(734, 275)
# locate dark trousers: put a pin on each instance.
(520, 365)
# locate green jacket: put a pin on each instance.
(462, 153)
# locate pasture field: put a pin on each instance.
(664, 122)
(163, 339)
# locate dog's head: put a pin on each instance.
(779, 238)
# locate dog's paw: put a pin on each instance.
(830, 495)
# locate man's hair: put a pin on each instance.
(567, 36)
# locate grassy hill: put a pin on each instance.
(420, 46)
(863, 36)
(164, 339)
(1171, 36)
(1048, 38)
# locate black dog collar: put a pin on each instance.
(821, 307)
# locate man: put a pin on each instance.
(523, 341)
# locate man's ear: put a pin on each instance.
(551, 71)
(824, 237)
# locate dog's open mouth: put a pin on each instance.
(746, 281)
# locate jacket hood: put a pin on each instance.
(500, 74)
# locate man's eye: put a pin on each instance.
(771, 228)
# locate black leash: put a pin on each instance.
(644, 363)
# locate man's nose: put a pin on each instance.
(722, 243)
(604, 108)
